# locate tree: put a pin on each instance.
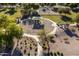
(3, 21)
(34, 6)
(52, 4)
(11, 11)
(8, 31)
(3, 25)
(29, 9)
(77, 18)
(26, 10)
(1, 39)
(14, 30)
(73, 5)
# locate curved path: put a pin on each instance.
(37, 40)
(36, 37)
(15, 44)
(53, 24)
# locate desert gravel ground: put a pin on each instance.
(70, 48)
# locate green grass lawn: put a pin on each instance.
(54, 18)
(58, 20)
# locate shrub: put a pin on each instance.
(35, 54)
(21, 48)
(55, 54)
(51, 54)
(21, 43)
(30, 48)
(65, 38)
(58, 53)
(67, 42)
(77, 39)
(53, 41)
(51, 36)
(44, 48)
(25, 43)
(28, 54)
(24, 51)
(61, 54)
(36, 50)
(43, 44)
(73, 30)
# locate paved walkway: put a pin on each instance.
(53, 24)
(36, 37)
(15, 44)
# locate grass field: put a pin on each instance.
(54, 18)
(58, 20)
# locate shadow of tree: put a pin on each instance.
(69, 32)
(11, 11)
(66, 18)
(75, 10)
(17, 52)
(3, 9)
